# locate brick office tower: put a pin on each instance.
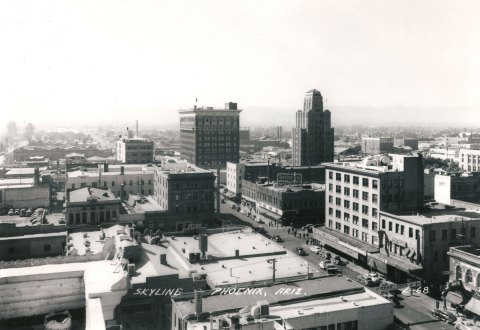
(209, 138)
(313, 135)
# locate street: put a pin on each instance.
(412, 309)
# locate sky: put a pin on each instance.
(117, 61)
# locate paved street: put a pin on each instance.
(412, 309)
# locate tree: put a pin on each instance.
(11, 129)
(29, 131)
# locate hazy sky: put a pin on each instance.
(88, 61)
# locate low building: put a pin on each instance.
(406, 142)
(457, 186)
(444, 153)
(23, 193)
(92, 206)
(324, 303)
(377, 145)
(286, 203)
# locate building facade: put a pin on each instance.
(91, 206)
(134, 150)
(210, 137)
(357, 192)
(464, 187)
(469, 160)
(377, 145)
(186, 192)
(312, 139)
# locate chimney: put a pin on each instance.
(122, 170)
(197, 297)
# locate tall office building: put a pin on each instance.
(313, 135)
(209, 137)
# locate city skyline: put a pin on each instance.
(110, 61)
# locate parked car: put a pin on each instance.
(374, 277)
(22, 212)
(29, 212)
(328, 266)
(260, 230)
(315, 249)
(325, 254)
(277, 238)
(465, 325)
(444, 315)
(300, 251)
(307, 227)
(17, 212)
(11, 212)
(365, 280)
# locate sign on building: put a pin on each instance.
(289, 178)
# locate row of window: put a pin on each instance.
(356, 208)
(355, 179)
(467, 276)
(355, 193)
(354, 232)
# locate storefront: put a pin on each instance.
(343, 245)
(395, 269)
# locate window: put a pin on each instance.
(355, 180)
(330, 223)
(338, 201)
(365, 196)
(330, 174)
(390, 226)
(355, 220)
(364, 237)
(330, 187)
(346, 178)
(410, 232)
(355, 232)
(453, 234)
(417, 234)
(346, 230)
(355, 193)
(374, 212)
(365, 182)
(346, 217)
(374, 225)
(330, 199)
(338, 214)
(338, 176)
(113, 183)
(402, 230)
(364, 209)
(364, 223)
(92, 216)
(468, 276)
(338, 226)
(330, 211)
(383, 224)
(375, 184)
(346, 204)
(338, 189)
(355, 206)
(444, 234)
(346, 191)
(458, 273)
(432, 235)
(397, 226)
(374, 198)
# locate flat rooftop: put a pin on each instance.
(440, 216)
(24, 182)
(252, 264)
(142, 205)
(84, 194)
(312, 292)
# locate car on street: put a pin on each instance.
(17, 212)
(234, 207)
(22, 212)
(365, 280)
(11, 212)
(444, 315)
(374, 277)
(328, 266)
(29, 212)
(300, 251)
(465, 325)
(277, 238)
(315, 249)
(260, 229)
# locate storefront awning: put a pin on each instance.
(398, 263)
(455, 298)
(342, 242)
(269, 214)
(473, 306)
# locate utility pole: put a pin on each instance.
(272, 261)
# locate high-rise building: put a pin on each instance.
(210, 137)
(134, 150)
(313, 135)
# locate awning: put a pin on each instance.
(403, 265)
(455, 298)
(473, 306)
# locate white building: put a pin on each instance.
(469, 160)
